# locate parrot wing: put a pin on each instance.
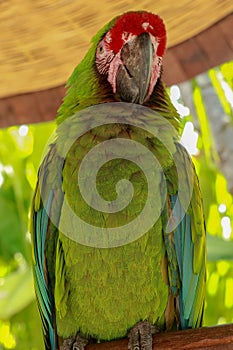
(46, 207)
(186, 245)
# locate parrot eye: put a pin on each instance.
(103, 57)
(101, 49)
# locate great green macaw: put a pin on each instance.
(154, 280)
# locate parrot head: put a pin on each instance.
(130, 55)
(124, 64)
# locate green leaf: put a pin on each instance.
(219, 249)
(16, 292)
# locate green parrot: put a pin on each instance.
(135, 264)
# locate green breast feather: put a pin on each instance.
(109, 283)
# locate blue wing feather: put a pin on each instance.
(45, 300)
(46, 208)
(184, 248)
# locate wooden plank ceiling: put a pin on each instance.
(42, 41)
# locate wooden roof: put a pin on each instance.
(42, 41)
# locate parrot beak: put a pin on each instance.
(134, 74)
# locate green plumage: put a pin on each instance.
(110, 282)
(160, 277)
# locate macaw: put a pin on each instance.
(154, 280)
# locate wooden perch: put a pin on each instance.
(206, 338)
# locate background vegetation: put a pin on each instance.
(21, 149)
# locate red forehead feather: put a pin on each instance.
(136, 23)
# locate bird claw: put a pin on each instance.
(140, 336)
(74, 343)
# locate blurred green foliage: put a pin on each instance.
(218, 205)
(21, 149)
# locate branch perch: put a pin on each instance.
(206, 338)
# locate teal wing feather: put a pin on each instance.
(43, 293)
(192, 290)
(46, 203)
(186, 246)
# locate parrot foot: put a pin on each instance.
(140, 336)
(74, 343)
